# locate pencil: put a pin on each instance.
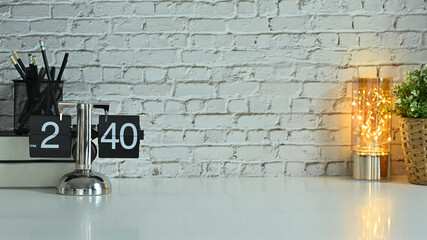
(15, 54)
(64, 63)
(42, 73)
(35, 70)
(17, 67)
(46, 64)
(52, 72)
(30, 62)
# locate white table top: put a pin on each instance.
(234, 208)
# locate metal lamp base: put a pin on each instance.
(84, 183)
(371, 167)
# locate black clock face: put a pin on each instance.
(118, 136)
(49, 136)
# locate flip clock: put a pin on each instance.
(118, 137)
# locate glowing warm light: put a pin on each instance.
(371, 121)
(374, 217)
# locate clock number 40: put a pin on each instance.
(113, 140)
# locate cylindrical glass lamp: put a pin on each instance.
(371, 128)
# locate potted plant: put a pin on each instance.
(411, 105)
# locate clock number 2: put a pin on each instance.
(50, 137)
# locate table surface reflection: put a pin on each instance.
(232, 208)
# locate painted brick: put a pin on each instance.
(213, 153)
(153, 107)
(349, 40)
(215, 106)
(127, 25)
(205, 25)
(235, 136)
(274, 169)
(194, 89)
(237, 106)
(36, 10)
(259, 104)
(194, 137)
(111, 89)
(248, 25)
(412, 22)
(251, 170)
(174, 107)
(336, 153)
(295, 169)
(298, 121)
(186, 73)
(213, 41)
(257, 121)
(280, 88)
(289, 23)
(245, 9)
(332, 23)
(257, 136)
(6, 92)
(199, 57)
(213, 121)
(136, 168)
(165, 8)
(377, 23)
(173, 121)
(172, 136)
(154, 74)
(336, 169)
(324, 90)
(143, 8)
(194, 106)
(288, 7)
(280, 104)
(217, 10)
(72, 10)
(329, 40)
(49, 25)
(237, 88)
(152, 90)
(278, 135)
(109, 9)
(164, 24)
(170, 153)
(10, 27)
(315, 169)
(373, 5)
(184, 8)
(236, 56)
(90, 26)
(166, 56)
(215, 136)
(336, 121)
(254, 153)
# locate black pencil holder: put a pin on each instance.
(35, 98)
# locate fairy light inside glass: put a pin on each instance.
(371, 123)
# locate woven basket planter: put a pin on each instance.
(414, 143)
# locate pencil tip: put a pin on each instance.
(15, 54)
(13, 60)
(42, 46)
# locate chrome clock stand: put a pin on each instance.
(83, 181)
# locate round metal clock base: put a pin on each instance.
(84, 183)
(371, 167)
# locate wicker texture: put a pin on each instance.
(414, 142)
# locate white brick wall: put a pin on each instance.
(223, 88)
